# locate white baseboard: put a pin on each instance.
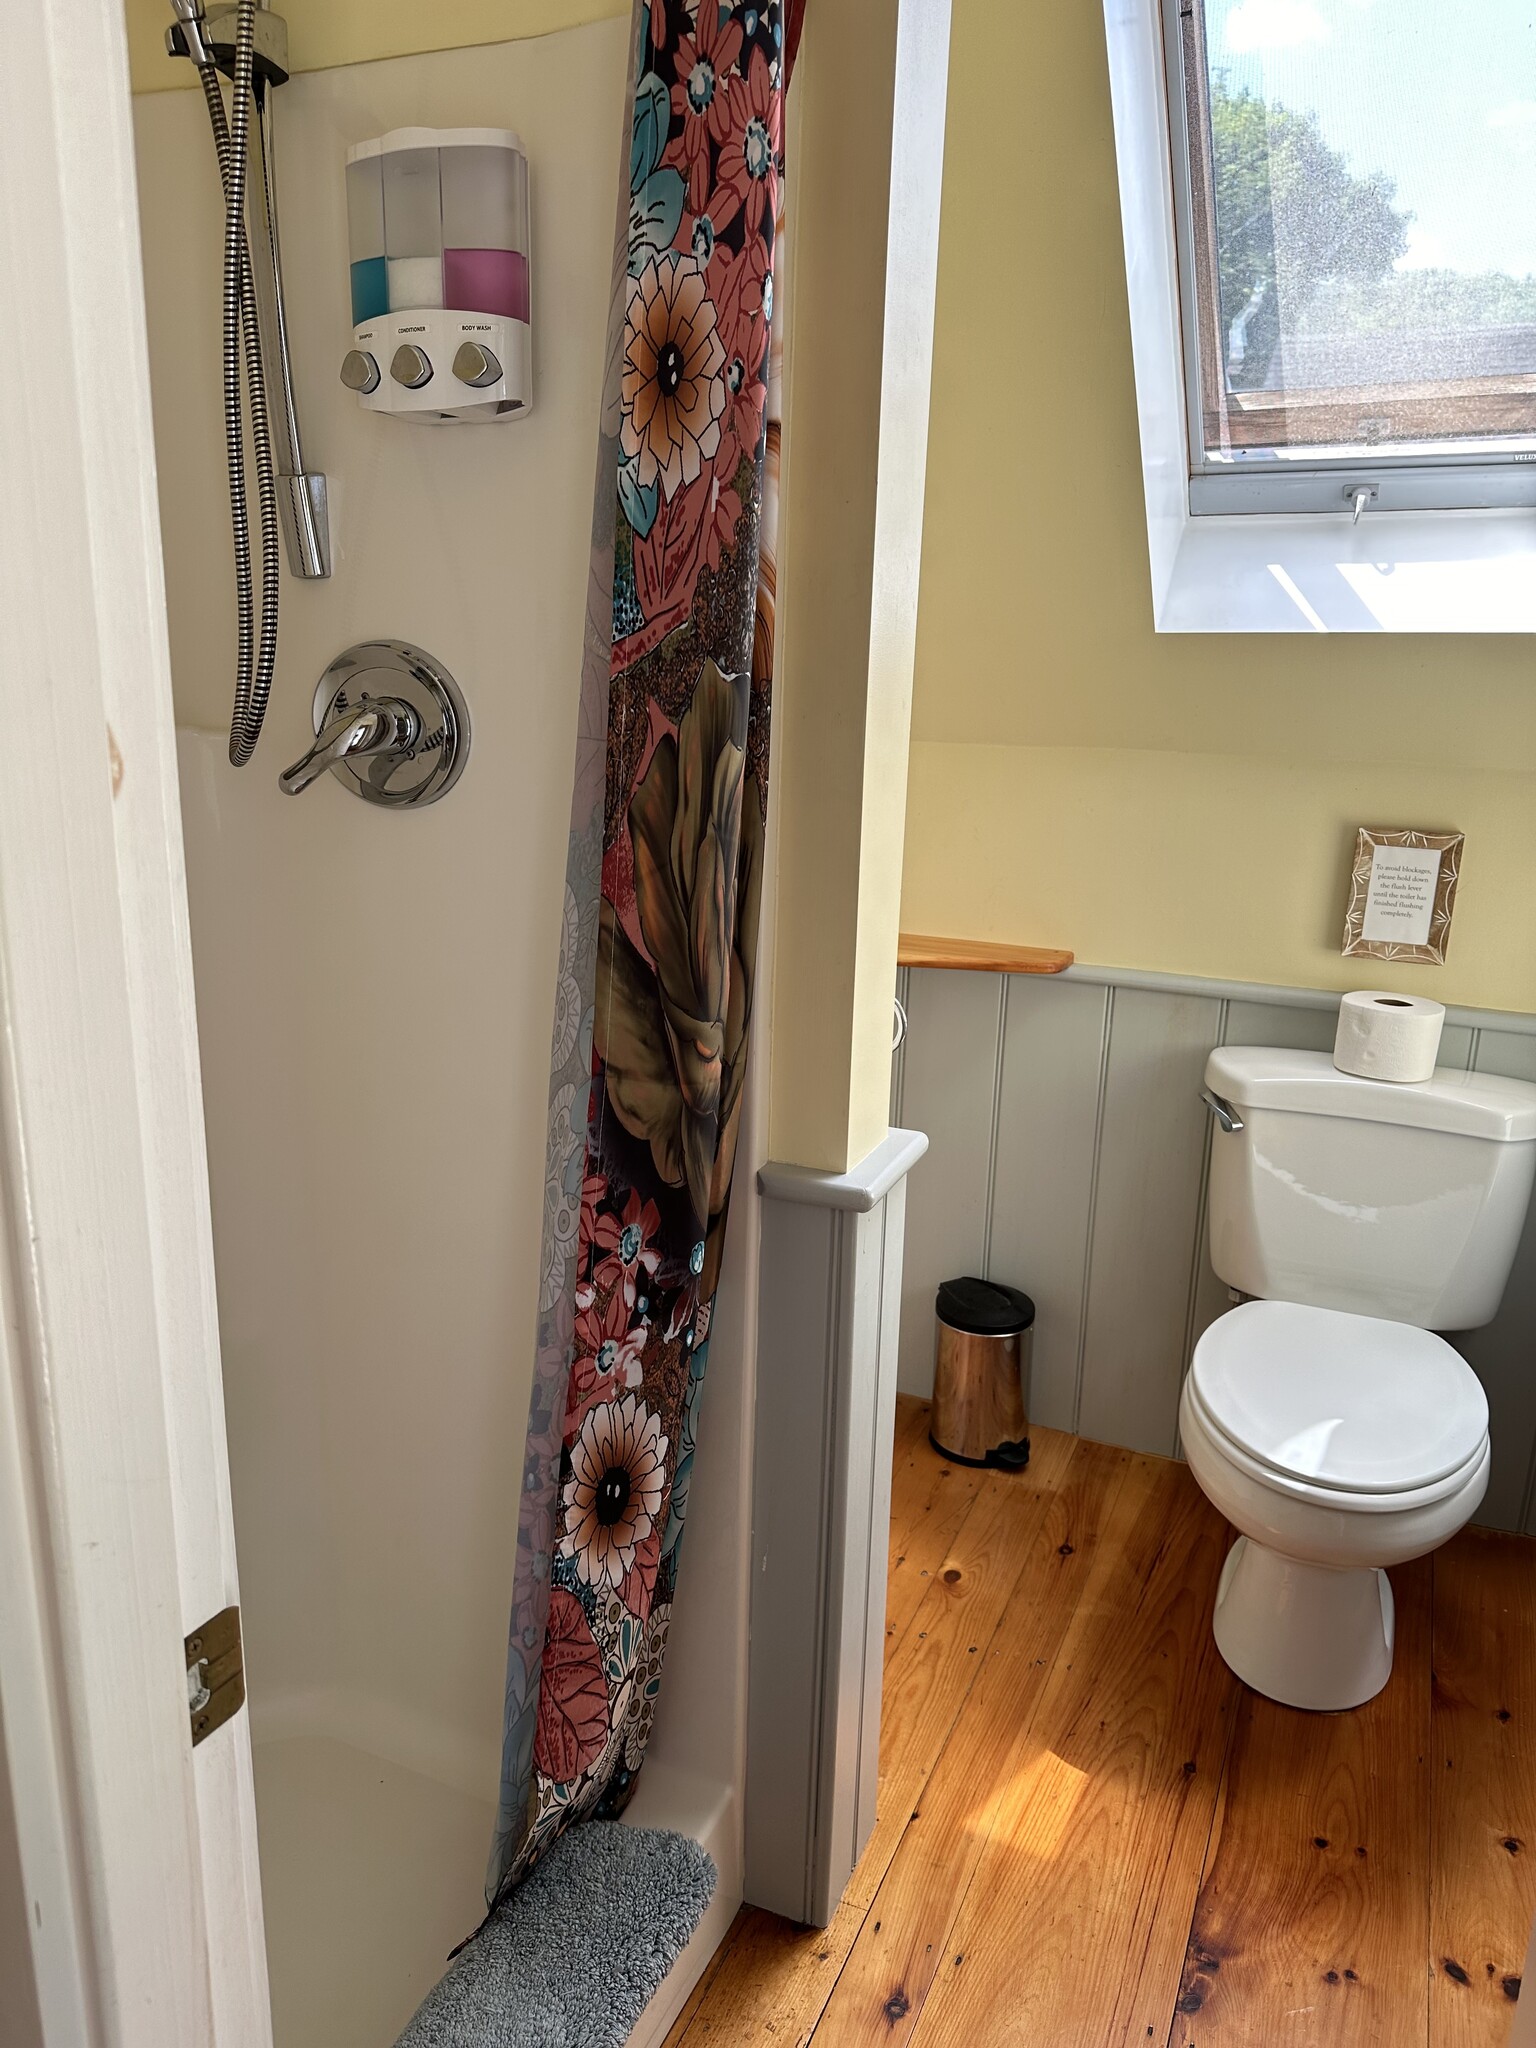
(670, 1798)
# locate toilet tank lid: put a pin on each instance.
(1469, 1105)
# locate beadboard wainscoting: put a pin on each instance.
(1069, 1156)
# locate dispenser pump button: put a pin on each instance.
(359, 371)
(411, 366)
(476, 366)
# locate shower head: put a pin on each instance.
(207, 36)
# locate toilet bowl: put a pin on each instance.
(1336, 1444)
(1324, 1416)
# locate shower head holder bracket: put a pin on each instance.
(208, 37)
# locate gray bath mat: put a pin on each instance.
(572, 1958)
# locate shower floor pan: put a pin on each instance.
(371, 1873)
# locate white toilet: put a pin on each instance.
(1324, 1417)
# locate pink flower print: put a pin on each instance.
(600, 1315)
(607, 1363)
(740, 287)
(742, 293)
(593, 1189)
(589, 1388)
(639, 1586)
(723, 514)
(702, 96)
(749, 155)
(630, 1253)
(573, 1699)
(620, 1358)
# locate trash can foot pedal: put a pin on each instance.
(1007, 1457)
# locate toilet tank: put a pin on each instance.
(1401, 1200)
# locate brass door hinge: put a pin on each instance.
(215, 1674)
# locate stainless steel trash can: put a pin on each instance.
(980, 1410)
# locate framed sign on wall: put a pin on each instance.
(1402, 890)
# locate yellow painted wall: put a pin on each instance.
(324, 32)
(1185, 801)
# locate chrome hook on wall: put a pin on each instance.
(402, 742)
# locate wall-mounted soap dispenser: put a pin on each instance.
(438, 229)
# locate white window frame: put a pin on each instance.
(1403, 571)
(1400, 482)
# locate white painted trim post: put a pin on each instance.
(830, 1296)
(114, 1516)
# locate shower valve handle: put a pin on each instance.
(400, 741)
(378, 725)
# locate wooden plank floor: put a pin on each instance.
(1091, 1836)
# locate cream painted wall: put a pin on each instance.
(1177, 801)
(324, 32)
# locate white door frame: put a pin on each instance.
(136, 1854)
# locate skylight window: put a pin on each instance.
(1355, 184)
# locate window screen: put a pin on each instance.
(1360, 219)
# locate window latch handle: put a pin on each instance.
(1359, 495)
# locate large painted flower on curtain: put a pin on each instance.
(662, 1034)
(672, 388)
(613, 1495)
(682, 839)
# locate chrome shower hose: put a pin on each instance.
(257, 651)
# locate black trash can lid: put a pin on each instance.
(984, 1308)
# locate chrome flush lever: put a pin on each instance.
(1222, 1110)
(379, 725)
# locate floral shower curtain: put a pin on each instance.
(653, 1008)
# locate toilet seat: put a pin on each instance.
(1350, 1412)
(1338, 1499)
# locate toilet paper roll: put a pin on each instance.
(1387, 1037)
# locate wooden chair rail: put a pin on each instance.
(982, 956)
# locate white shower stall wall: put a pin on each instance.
(375, 994)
